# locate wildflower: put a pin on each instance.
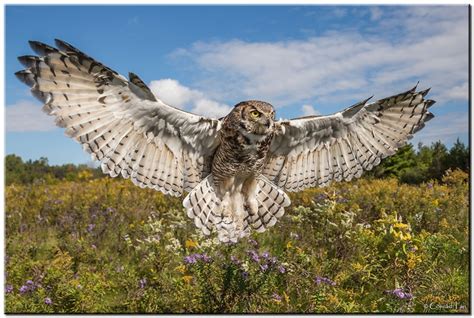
(93, 246)
(429, 185)
(342, 200)
(264, 267)
(321, 196)
(30, 282)
(265, 254)
(276, 297)
(245, 275)
(187, 279)
(287, 298)
(205, 258)
(253, 242)
(399, 293)
(24, 289)
(190, 243)
(90, 227)
(235, 260)
(282, 269)
(48, 301)
(194, 258)
(110, 210)
(8, 289)
(319, 280)
(254, 256)
(294, 236)
(289, 244)
(180, 268)
(142, 283)
(190, 259)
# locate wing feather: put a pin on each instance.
(120, 122)
(313, 151)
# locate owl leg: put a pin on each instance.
(249, 191)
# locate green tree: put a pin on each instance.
(458, 156)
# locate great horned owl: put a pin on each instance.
(235, 168)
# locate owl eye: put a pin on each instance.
(254, 114)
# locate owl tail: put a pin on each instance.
(236, 214)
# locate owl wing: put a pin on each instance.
(312, 151)
(120, 122)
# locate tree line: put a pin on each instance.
(409, 165)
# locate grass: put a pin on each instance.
(366, 246)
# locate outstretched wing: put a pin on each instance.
(119, 121)
(313, 151)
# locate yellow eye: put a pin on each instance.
(254, 114)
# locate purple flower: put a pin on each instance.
(342, 200)
(93, 246)
(399, 293)
(190, 259)
(194, 258)
(276, 297)
(205, 258)
(265, 254)
(110, 210)
(234, 260)
(8, 289)
(24, 289)
(321, 197)
(90, 227)
(429, 185)
(253, 242)
(264, 267)
(48, 301)
(245, 275)
(282, 269)
(142, 283)
(254, 256)
(30, 282)
(320, 280)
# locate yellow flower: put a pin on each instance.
(190, 243)
(444, 223)
(187, 279)
(405, 237)
(435, 202)
(289, 245)
(287, 298)
(181, 268)
(400, 225)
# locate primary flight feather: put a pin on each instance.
(235, 168)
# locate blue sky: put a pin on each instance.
(302, 59)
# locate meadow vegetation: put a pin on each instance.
(102, 245)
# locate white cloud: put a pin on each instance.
(375, 13)
(27, 116)
(309, 110)
(173, 93)
(340, 66)
(447, 128)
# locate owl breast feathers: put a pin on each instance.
(235, 169)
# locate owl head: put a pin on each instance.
(256, 117)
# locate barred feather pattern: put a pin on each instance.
(313, 151)
(205, 207)
(120, 122)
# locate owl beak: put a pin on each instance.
(268, 123)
